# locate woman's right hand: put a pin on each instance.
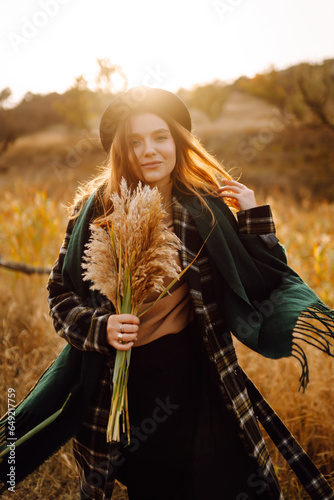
(122, 331)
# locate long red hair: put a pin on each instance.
(196, 170)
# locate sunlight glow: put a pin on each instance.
(47, 43)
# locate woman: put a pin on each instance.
(193, 412)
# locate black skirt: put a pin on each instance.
(184, 444)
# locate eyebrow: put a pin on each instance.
(158, 131)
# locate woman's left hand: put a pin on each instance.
(244, 196)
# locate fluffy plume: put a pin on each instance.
(99, 264)
(136, 238)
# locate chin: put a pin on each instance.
(152, 179)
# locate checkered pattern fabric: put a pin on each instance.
(257, 220)
(84, 327)
(312, 480)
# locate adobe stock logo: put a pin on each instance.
(31, 27)
(225, 7)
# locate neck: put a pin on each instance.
(166, 192)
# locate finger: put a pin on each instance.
(128, 328)
(121, 347)
(128, 318)
(233, 197)
(126, 337)
(230, 181)
(235, 184)
(230, 194)
(231, 189)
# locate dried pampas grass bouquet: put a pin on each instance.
(126, 259)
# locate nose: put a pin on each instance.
(149, 148)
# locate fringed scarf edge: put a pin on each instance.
(317, 336)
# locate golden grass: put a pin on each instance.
(32, 228)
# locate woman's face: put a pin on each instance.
(154, 148)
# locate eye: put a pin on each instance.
(161, 138)
(135, 142)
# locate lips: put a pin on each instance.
(152, 164)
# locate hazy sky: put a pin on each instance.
(45, 44)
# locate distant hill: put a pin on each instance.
(305, 90)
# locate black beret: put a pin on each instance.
(137, 100)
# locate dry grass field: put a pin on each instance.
(37, 178)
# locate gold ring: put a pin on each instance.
(120, 336)
(121, 328)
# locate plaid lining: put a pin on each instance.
(257, 220)
(84, 327)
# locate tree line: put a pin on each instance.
(75, 108)
(305, 90)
